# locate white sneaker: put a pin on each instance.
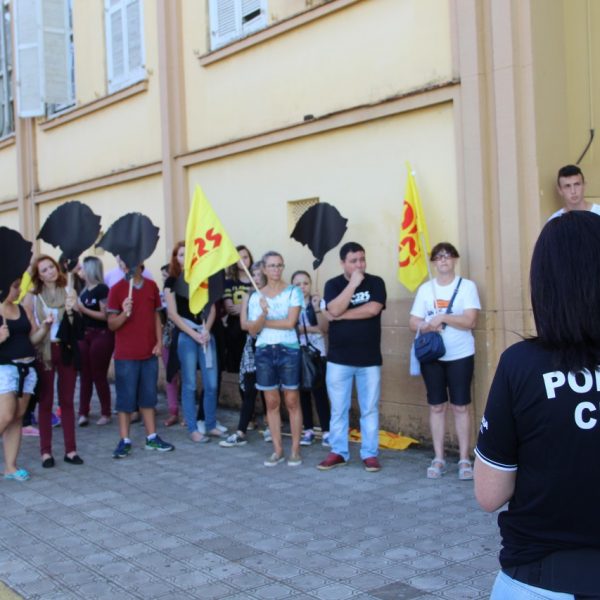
(201, 427)
(83, 421)
(221, 428)
(267, 436)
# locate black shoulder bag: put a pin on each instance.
(312, 373)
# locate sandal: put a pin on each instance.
(436, 469)
(465, 470)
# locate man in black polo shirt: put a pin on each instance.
(354, 301)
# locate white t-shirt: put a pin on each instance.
(278, 310)
(459, 343)
(595, 209)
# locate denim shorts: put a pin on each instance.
(9, 379)
(135, 382)
(277, 366)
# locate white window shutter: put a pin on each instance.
(29, 60)
(135, 47)
(254, 15)
(115, 42)
(225, 22)
(56, 36)
(124, 43)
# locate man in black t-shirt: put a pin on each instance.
(354, 302)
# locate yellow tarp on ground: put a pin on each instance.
(387, 440)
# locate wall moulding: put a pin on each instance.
(96, 183)
(93, 106)
(426, 97)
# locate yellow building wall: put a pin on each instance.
(8, 173)
(360, 170)
(10, 218)
(120, 136)
(367, 52)
(143, 195)
(566, 54)
(89, 37)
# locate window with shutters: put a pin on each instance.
(67, 30)
(234, 19)
(125, 58)
(7, 122)
(43, 38)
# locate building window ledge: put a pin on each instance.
(93, 106)
(7, 141)
(278, 28)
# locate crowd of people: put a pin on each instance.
(68, 319)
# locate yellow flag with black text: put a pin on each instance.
(414, 247)
(208, 249)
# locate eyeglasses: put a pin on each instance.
(277, 266)
(442, 256)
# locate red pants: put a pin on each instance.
(96, 349)
(67, 376)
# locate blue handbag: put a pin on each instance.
(430, 346)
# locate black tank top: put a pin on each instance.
(17, 345)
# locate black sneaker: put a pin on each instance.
(122, 450)
(159, 445)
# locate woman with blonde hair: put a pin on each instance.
(272, 318)
(97, 346)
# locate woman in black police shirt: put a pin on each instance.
(539, 441)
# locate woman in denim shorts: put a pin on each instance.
(272, 317)
(18, 332)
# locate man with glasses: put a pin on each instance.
(354, 301)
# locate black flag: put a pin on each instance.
(321, 228)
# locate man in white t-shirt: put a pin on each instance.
(570, 184)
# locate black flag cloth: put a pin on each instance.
(16, 255)
(321, 228)
(72, 227)
(132, 238)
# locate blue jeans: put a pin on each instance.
(507, 588)
(339, 387)
(135, 383)
(192, 356)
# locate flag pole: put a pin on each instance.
(250, 277)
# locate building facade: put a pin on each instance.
(273, 105)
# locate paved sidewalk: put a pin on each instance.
(208, 522)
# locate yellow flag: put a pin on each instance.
(414, 247)
(208, 249)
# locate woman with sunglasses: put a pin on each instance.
(451, 375)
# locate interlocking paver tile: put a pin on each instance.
(396, 591)
(334, 591)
